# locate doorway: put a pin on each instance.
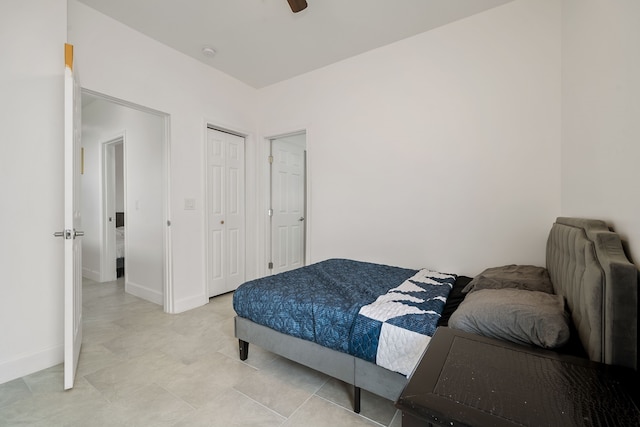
(288, 206)
(113, 213)
(134, 200)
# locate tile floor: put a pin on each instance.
(142, 367)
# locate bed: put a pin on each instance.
(119, 244)
(585, 263)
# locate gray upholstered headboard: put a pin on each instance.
(587, 265)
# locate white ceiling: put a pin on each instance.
(261, 42)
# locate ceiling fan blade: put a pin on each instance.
(297, 5)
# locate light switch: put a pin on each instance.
(189, 204)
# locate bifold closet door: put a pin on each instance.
(225, 212)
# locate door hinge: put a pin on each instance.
(270, 266)
(270, 159)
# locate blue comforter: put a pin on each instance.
(321, 302)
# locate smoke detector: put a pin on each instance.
(208, 51)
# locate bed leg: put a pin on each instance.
(356, 399)
(243, 346)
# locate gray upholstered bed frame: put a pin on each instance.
(587, 265)
(343, 366)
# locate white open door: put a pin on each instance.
(71, 232)
(288, 205)
(109, 251)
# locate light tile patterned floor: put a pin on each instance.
(142, 367)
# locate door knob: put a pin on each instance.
(68, 234)
(301, 218)
(222, 222)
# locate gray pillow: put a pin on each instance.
(526, 277)
(523, 317)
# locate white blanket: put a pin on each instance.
(406, 317)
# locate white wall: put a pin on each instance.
(143, 133)
(440, 151)
(601, 114)
(32, 37)
(119, 62)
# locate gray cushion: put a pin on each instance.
(526, 277)
(520, 316)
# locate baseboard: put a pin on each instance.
(185, 304)
(26, 364)
(144, 293)
(90, 274)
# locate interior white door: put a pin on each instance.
(225, 212)
(288, 205)
(108, 267)
(72, 244)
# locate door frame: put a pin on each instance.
(266, 197)
(168, 294)
(107, 246)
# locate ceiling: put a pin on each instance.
(261, 42)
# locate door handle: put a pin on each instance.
(68, 234)
(301, 218)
